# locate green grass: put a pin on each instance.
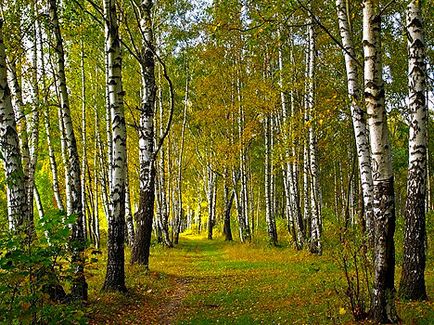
(215, 282)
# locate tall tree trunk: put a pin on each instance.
(179, 212)
(242, 199)
(83, 137)
(269, 213)
(314, 193)
(109, 135)
(128, 212)
(21, 125)
(412, 285)
(358, 118)
(383, 294)
(145, 214)
(292, 201)
(115, 276)
(38, 202)
(18, 210)
(33, 118)
(162, 190)
(228, 201)
(211, 180)
(46, 115)
(306, 182)
(79, 286)
(95, 223)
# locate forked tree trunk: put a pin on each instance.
(292, 201)
(383, 291)
(412, 285)
(357, 115)
(79, 285)
(115, 275)
(46, 115)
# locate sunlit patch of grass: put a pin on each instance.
(231, 283)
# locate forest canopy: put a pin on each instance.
(138, 135)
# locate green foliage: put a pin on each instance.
(33, 272)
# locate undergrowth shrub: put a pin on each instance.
(33, 273)
(355, 261)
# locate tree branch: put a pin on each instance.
(334, 39)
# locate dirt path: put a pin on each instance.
(169, 310)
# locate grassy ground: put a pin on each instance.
(210, 282)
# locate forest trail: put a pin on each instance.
(216, 282)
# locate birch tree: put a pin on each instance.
(357, 115)
(412, 285)
(269, 211)
(145, 214)
(315, 197)
(47, 126)
(115, 275)
(18, 209)
(74, 202)
(383, 291)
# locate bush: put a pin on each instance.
(33, 273)
(354, 260)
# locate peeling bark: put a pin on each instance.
(412, 285)
(115, 275)
(18, 211)
(383, 292)
(145, 214)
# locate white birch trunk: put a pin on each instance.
(46, 116)
(269, 214)
(33, 119)
(83, 138)
(412, 285)
(79, 286)
(18, 211)
(315, 204)
(145, 214)
(359, 124)
(383, 305)
(115, 275)
(128, 211)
